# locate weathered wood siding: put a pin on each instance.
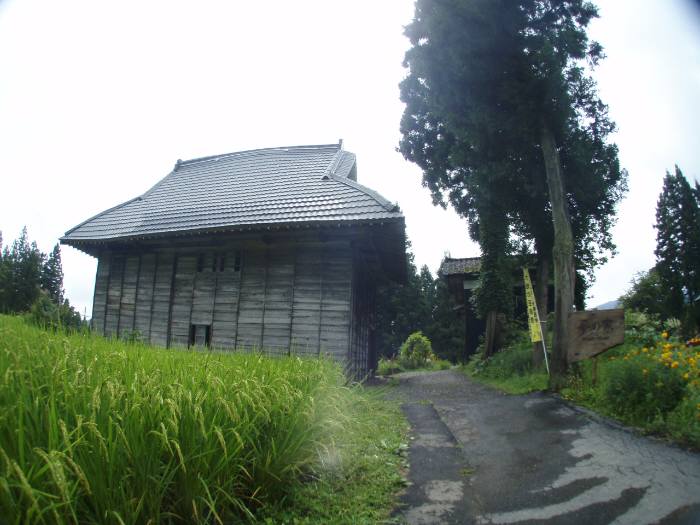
(144, 295)
(280, 298)
(225, 309)
(160, 307)
(99, 300)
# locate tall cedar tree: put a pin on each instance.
(498, 105)
(52, 276)
(25, 271)
(678, 248)
(20, 274)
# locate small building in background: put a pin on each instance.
(462, 276)
(277, 250)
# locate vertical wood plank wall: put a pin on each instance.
(304, 299)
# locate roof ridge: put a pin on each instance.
(386, 204)
(259, 150)
(333, 165)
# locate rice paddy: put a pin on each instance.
(99, 431)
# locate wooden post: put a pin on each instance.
(121, 295)
(109, 277)
(136, 295)
(170, 303)
(153, 297)
(264, 298)
(320, 300)
(291, 304)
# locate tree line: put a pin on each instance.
(422, 304)
(31, 281)
(671, 288)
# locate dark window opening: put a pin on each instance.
(200, 263)
(237, 262)
(200, 335)
(218, 263)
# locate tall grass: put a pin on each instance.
(98, 431)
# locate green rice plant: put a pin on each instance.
(98, 431)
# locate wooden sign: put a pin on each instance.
(593, 332)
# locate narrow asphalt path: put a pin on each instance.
(483, 457)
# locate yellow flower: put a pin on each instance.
(664, 334)
(645, 349)
(674, 364)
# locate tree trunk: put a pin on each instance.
(490, 334)
(563, 258)
(541, 298)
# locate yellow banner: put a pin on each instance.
(533, 320)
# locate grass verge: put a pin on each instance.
(510, 370)
(360, 475)
(99, 431)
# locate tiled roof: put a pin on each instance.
(459, 266)
(276, 186)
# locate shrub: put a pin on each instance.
(51, 316)
(416, 352)
(389, 366)
(641, 394)
(515, 360)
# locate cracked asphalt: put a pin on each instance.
(483, 457)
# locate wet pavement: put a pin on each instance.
(483, 457)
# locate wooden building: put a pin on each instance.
(277, 250)
(462, 276)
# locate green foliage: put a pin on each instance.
(360, 474)
(416, 351)
(514, 360)
(402, 309)
(52, 276)
(485, 79)
(395, 365)
(678, 250)
(389, 366)
(510, 370)
(423, 303)
(648, 295)
(629, 392)
(47, 314)
(20, 275)
(26, 272)
(185, 437)
(655, 387)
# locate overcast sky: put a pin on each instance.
(99, 99)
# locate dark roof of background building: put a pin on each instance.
(466, 265)
(244, 190)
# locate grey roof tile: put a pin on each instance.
(272, 186)
(451, 266)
